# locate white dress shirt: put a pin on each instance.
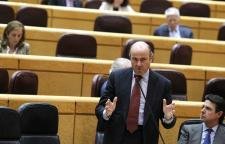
(204, 133)
(175, 33)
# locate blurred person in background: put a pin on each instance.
(68, 3)
(172, 28)
(116, 5)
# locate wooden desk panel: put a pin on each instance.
(43, 41)
(72, 76)
(217, 8)
(78, 127)
(83, 19)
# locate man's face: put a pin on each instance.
(140, 57)
(172, 21)
(209, 114)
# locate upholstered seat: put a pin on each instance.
(221, 33)
(155, 6)
(10, 131)
(195, 9)
(76, 45)
(23, 82)
(130, 42)
(188, 122)
(7, 14)
(178, 81)
(215, 86)
(32, 16)
(4, 80)
(97, 82)
(113, 23)
(39, 123)
(93, 4)
(181, 54)
(97, 88)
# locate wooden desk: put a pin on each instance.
(73, 76)
(77, 120)
(43, 41)
(83, 19)
(217, 8)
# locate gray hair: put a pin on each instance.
(172, 11)
(120, 63)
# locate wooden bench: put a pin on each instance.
(73, 76)
(217, 7)
(43, 41)
(81, 18)
(77, 120)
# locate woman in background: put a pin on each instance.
(13, 39)
(116, 5)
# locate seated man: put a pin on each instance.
(211, 130)
(172, 27)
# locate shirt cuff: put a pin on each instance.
(105, 117)
(168, 121)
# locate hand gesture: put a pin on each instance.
(169, 110)
(110, 106)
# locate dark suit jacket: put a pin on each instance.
(77, 3)
(163, 30)
(192, 134)
(119, 84)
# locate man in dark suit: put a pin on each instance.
(154, 102)
(172, 27)
(69, 3)
(211, 130)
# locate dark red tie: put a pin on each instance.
(132, 117)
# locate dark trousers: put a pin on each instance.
(133, 138)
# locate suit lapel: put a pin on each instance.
(126, 78)
(182, 34)
(196, 134)
(219, 135)
(167, 32)
(150, 97)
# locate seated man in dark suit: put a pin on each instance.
(211, 130)
(68, 3)
(172, 27)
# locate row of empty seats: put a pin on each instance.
(33, 123)
(21, 82)
(27, 15)
(33, 16)
(77, 18)
(85, 46)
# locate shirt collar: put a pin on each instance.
(144, 76)
(176, 29)
(204, 128)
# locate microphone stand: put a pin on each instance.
(153, 117)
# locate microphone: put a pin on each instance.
(152, 114)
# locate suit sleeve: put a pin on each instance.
(168, 97)
(156, 33)
(183, 136)
(108, 94)
(191, 34)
